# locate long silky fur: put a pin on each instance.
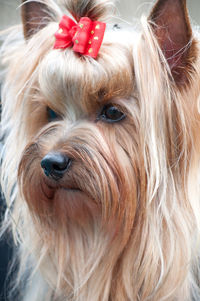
(139, 238)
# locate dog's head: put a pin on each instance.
(105, 150)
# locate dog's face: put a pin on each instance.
(83, 153)
(100, 148)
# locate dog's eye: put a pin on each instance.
(52, 115)
(111, 113)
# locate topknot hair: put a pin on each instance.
(93, 9)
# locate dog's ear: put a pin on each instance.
(171, 25)
(34, 16)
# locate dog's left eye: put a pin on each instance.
(111, 113)
(52, 115)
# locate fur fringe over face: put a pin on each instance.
(123, 223)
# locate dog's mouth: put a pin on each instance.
(67, 203)
(52, 188)
(69, 194)
(72, 189)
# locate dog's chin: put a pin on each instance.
(75, 205)
(62, 190)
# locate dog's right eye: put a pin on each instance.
(52, 115)
(111, 113)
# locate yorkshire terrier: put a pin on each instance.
(101, 156)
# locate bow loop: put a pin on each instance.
(86, 37)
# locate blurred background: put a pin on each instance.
(10, 15)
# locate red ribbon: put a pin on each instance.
(86, 37)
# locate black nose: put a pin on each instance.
(55, 165)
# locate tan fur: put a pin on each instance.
(132, 232)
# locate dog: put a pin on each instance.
(101, 155)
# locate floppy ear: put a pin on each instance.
(171, 25)
(34, 16)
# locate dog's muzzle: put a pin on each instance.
(55, 165)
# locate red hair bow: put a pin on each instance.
(86, 37)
